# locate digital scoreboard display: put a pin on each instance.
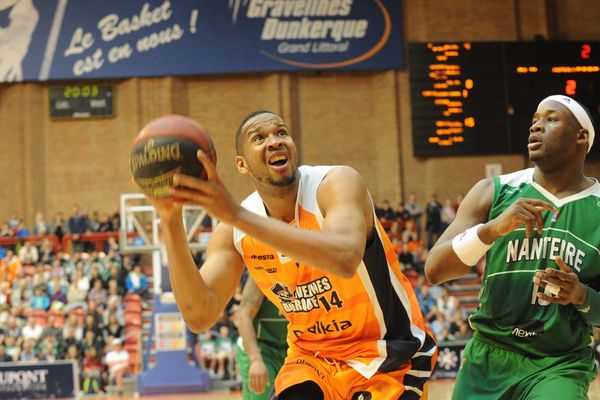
(476, 98)
(81, 101)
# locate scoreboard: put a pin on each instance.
(475, 98)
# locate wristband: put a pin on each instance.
(468, 247)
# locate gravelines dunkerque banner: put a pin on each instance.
(91, 39)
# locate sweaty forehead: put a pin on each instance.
(261, 121)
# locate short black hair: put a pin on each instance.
(238, 134)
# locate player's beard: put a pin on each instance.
(280, 183)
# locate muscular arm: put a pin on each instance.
(442, 263)
(345, 205)
(252, 299)
(339, 247)
(201, 296)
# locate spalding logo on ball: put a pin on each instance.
(165, 146)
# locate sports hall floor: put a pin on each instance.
(439, 390)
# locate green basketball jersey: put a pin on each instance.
(270, 325)
(510, 314)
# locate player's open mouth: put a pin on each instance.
(278, 161)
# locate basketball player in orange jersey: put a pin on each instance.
(310, 239)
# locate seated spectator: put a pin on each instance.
(113, 292)
(79, 288)
(385, 212)
(447, 304)
(426, 302)
(32, 330)
(4, 357)
(208, 352)
(20, 296)
(11, 264)
(21, 230)
(91, 340)
(92, 372)
(136, 281)
(46, 251)
(58, 298)
(91, 324)
(225, 352)
(59, 227)
(6, 231)
(11, 348)
(40, 299)
(28, 253)
(13, 221)
(70, 338)
(113, 329)
(115, 307)
(98, 294)
(72, 353)
(12, 328)
(50, 349)
(5, 303)
(52, 329)
(105, 224)
(117, 361)
(40, 226)
(28, 352)
(438, 325)
(406, 259)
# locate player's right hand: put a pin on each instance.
(524, 211)
(258, 376)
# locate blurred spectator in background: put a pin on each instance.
(448, 213)
(416, 211)
(78, 225)
(433, 223)
(46, 251)
(92, 372)
(98, 293)
(113, 329)
(59, 227)
(447, 304)
(40, 299)
(40, 226)
(6, 231)
(385, 212)
(4, 357)
(136, 281)
(28, 253)
(13, 221)
(28, 352)
(21, 230)
(10, 266)
(117, 360)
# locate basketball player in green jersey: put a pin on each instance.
(539, 229)
(262, 345)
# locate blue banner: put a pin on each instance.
(38, 380)
(91, 39)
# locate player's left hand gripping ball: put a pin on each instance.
(167, 145)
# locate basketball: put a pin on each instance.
(167, 145)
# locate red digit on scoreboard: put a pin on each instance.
(571, 87)
(586, 49)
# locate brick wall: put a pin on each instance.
(359, 119)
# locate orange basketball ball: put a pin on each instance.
(167, 145)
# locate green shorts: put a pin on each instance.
(491, 372)
(273, 358)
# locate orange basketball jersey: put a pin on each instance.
(372, 322)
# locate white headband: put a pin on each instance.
(579, 113)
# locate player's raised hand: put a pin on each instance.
(524, 211)
(209, 193)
